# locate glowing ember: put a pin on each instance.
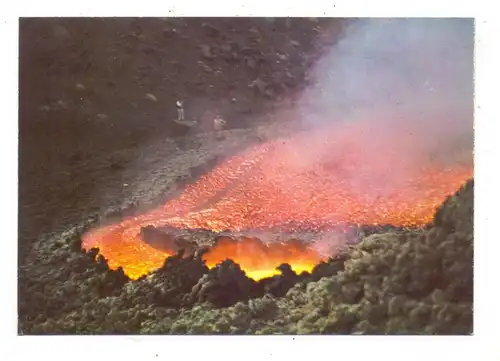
(351, 174)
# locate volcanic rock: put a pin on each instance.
(102, 116)
(116, 165)
(112, 281)
(117, 213)
(211, 30)
(200, 237)
(158, 239)
(151, 97)
(225, 48)
(278, 286)
(259, 85)
(175, 280)
(63, 104)
(223, 286)
(206, 51)
(166, 242)
(92, 253)
(457, 213)
(329, 268)
(250, 62)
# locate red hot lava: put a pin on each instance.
(351, 174)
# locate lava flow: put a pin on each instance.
(348, 175)
(260, 260)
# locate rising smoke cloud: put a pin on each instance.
(395, 73)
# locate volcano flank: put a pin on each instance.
(246, 176)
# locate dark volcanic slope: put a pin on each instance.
(85, 112)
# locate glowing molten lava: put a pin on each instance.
(351, 174)
(260, 260)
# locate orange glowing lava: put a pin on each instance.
(349, 174)
(260, 260)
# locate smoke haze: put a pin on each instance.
(404, 84)
(416, 66)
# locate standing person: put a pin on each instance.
(180, 116)
(180, 110)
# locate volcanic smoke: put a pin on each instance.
(389, 138)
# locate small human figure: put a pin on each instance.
(180, 110)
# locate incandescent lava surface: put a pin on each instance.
(347, 174)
